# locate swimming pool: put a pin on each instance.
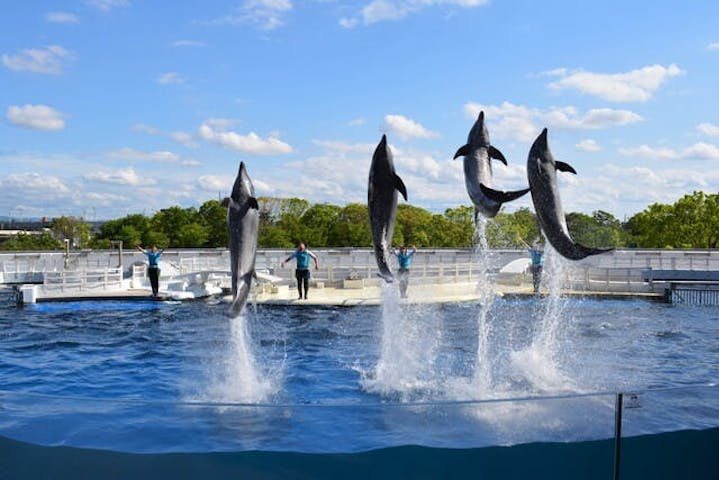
(160, 377)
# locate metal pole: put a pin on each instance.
(618, 435)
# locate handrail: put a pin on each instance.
(428, 403)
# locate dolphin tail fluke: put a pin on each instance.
(387, 277)
(580, 251)
(399, 185)
(463, 151)
(500, 196)
(496, 154)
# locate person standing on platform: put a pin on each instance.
(536, 253)
(302, 273)
(153, 269)
(404, 258)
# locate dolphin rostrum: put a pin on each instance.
(478, 153)
(243, 218)
(542, 175)
(382, 203)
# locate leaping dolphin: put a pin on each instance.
(243, 218)
(478, 153)
(542, 175)
(382, 203)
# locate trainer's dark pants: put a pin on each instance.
(303, 278)
(154, 274)
(536, 277)
(403, 274)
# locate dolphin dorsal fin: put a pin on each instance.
(564, 167)
(252, 202)
(463, 151)
(496, 154)
(399, 185)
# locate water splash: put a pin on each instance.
(540, 363)
(408, 351)
(483, 378)
(242, 380)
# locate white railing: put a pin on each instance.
(83, 280)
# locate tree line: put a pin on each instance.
(690, 222)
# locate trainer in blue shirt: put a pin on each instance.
(153, 268)
(302, 273)
(536, 253)
(404, 258)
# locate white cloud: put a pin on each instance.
(702, 151)
(61, 17)
(524, 123)
(47, 60)
(406, 127)
(387, 10)
(338, 146)
(713, 46)
(645, 151)
(356, 122)
(40, 117)
(634, 86)
(170, 78)
(142, 128)
(119, 177)
(250, 143)
(699, 151)
(588, 145)
(188, 43)
(184, 138)
(708, 129)
(264, 14)
(36, 182)
(107, 5)
(161, 156)
(215, 183)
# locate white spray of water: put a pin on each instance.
(540, 363)
(483, 377)
(242, 381)
(408, 351)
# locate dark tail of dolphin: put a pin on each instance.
(501, 196)
(578, 252)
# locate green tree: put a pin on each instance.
(214, 217)
(352, 228)
(25, 241)
(73, 229)
(317, 221)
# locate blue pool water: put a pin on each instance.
(158, 377)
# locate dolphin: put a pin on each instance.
(542, 175)
(243, 218)
(382, 203)
(478, 153)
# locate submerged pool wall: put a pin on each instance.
(690, 454)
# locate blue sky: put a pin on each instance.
(113, 107)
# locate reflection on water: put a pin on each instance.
(345, 380)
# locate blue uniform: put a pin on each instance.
(404, 259)
(537, 257)
(303, 259)
(153, 258)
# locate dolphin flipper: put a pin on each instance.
(496, 154)
(463, 151)
(399, 185)
(252, 202)
(499, 196)
(564, 167)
